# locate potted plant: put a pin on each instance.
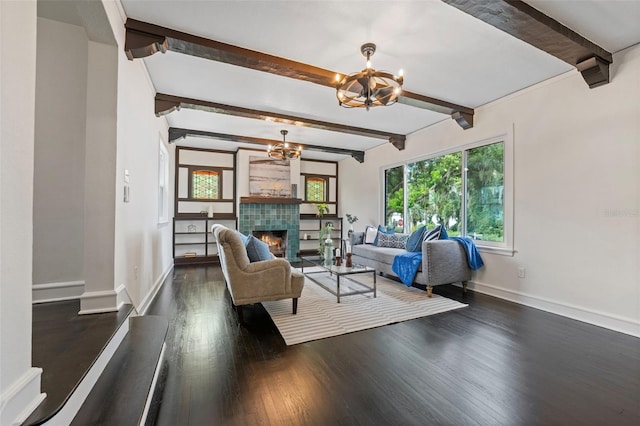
(351, 219)
(322, 209)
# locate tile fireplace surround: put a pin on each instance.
(272, 214)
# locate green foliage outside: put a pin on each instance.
(434, 193)
(485, 184)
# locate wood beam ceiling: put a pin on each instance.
(178, 133)
(164, 104)
(522, 21)
(144, 39)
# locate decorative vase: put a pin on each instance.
(350, 231)
(328, 252)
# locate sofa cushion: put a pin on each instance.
(378, 254)
(392, 240)
(257, 250)
(414, 243)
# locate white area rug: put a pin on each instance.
(320, 316)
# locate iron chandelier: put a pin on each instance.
(368, 88)
(282, 150)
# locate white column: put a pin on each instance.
(19, 381)
(101, 294)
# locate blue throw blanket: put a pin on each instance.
(473, 255)
(405, 265)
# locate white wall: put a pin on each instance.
(577, 198)
(58, 206)
(19, 382)
(143, 253)
(100, 290)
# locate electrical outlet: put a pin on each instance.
(521, 272)
(135, 273)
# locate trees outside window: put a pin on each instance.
(485, 192)
(435, 195)
(394, 196)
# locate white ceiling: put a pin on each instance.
(444, 53)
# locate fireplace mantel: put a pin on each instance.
(269, 200)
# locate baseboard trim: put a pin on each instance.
(21, 398)
(71, 407)
(98, 302)
(146, 302)
(55, 292)
(600, 319)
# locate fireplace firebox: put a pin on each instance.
(275, 239)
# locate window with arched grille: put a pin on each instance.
(316, 188)
(205, 184)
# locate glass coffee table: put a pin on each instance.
(339, 280)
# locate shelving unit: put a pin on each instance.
(193, 241)
(311, 225)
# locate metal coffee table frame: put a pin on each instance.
(340, 272)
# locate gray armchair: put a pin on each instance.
(256, 282)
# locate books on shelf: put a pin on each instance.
(190, 254)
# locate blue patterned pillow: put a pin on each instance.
(257, 250)
(383, 230)
(392, 240)
(414, 243)
(434, 234)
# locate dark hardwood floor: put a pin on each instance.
(494, 362)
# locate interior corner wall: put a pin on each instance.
(58, 199)
(576, 190)
(143, 247)
(19, 381)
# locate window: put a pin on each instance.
(394, 197)
(205, 184)
(462, 190)
(485, 192)
(315, 189)
(434, 192)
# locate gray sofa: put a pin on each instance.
(443, 261)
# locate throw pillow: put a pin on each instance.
(244, 238)
(443, 234)
(370, 235)
(392, 240)
(434, 234)
(414, 243)
(383, 230)
(257, 250)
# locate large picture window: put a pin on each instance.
(462, 190)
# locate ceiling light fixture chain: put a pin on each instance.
(368, 88)
(283, 151)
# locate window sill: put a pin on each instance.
(502, 251)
